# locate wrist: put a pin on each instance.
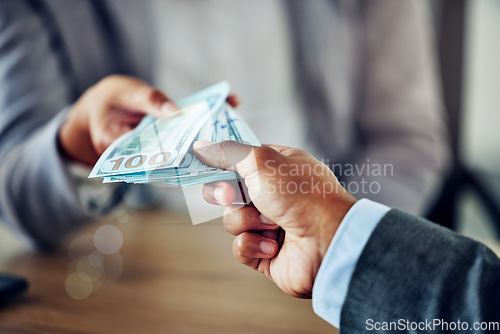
(337, 209)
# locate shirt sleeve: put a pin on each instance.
(332, 282)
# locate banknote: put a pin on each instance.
(161, 143)
(229, 126)
(226, 126)
(160, 150)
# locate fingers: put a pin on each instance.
(249, 248)
(219, 193)
(132, 94)
(282, 149)
(226, 193)
(289, 151)
(228, 155)
(238, 220)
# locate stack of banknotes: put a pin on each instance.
(160, 150)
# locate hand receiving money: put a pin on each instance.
(159, 149)
(107, 110)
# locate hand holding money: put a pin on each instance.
(298, 205)
(107, 110)
(159, 149)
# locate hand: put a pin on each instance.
(113, 106)
(298, 205)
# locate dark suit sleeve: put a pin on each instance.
(412, 269)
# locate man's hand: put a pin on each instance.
(298, 205)
(113, 106)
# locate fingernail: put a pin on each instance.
(201, 143)
(219, 195)
(266, 220)
(266, 247)
(234, 100)
(168, 107)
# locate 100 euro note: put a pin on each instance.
(161, 143)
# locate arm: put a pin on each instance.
(42, 131)
(413, 269)
(401, 119)
(37, 197)
(396, 266)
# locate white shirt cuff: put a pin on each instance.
(334, 275)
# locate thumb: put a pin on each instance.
(229, 155)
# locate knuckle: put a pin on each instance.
(263, 158)
(285, 150)
(112, 78)
(225, 145)
(296, 151)
(224, 149)
(263, 154)
(140, 91)
(228, 222)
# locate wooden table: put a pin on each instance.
(168, 277)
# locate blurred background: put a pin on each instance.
(471, 201)
(482, 107)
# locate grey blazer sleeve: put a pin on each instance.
(400, 118)
(37, 196)
(414, 270)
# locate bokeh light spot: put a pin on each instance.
(122, 216)
(108, 239)
(88, 270)
(78, 286)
